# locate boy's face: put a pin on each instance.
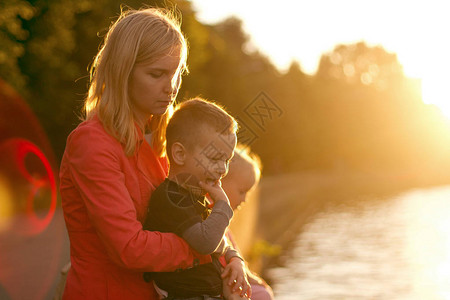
(238, 183)
(208, 160)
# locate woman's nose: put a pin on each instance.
(168, 87)
(173, 86)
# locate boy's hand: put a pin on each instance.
(215, 191)
(237, 277)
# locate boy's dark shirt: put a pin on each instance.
(174, 209)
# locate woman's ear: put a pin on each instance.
(178, 153)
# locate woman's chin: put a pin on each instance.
(159, 112)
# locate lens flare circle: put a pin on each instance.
(22, 149)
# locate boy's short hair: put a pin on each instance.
(186, 123)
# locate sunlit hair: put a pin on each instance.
(243, 154)
(138, 36)
(190, 116)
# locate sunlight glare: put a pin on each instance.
(429, 243)
(301, 31)
(435, 91)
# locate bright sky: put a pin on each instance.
(417, 30)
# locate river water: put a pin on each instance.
(395, 248)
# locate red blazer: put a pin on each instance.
(104, 198)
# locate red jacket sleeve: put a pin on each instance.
(96, 161)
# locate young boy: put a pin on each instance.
(243, 176)
(201, 138)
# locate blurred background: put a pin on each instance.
(346, 102)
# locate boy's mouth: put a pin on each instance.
(211, 181)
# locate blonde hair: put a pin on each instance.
(242, 153)
(137, 36)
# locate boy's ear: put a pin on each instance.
(178, 153)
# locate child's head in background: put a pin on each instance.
(243, 175)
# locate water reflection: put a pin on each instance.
(396, 248)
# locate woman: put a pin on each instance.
(110, 168)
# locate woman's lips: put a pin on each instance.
(165, 103)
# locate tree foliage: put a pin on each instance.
(357, 111)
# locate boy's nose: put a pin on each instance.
(222, 170)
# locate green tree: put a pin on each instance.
(12, 37)
(357, 111)
(46, 47)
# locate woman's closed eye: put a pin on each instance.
(157, 74)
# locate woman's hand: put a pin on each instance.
(237, 277)
(215, 191)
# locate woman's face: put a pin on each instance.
(154, 86)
